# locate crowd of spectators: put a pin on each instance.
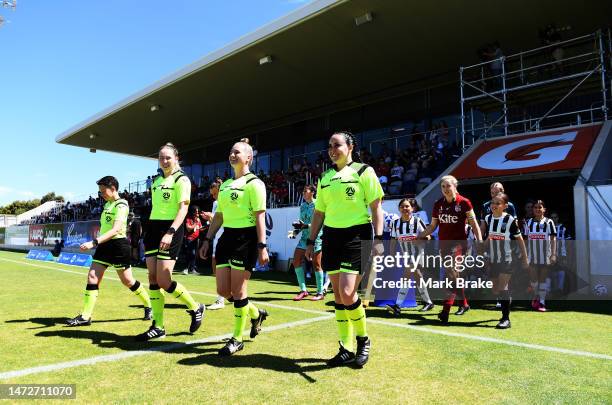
(406, 170)
(87, 210)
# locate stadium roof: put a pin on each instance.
(321, 61)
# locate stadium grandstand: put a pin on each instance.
(420, 102)
(445, 101)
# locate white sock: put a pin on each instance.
(327, 282)
(424, 294)
(542, 294)
(401, 296)
(221, 299)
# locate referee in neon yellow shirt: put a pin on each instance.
(241, 210)
(112, 250)
(344, 194)
(170, 196)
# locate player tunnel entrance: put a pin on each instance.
(555, 190)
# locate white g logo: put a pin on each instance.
(537, 151)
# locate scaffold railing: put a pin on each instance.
(562, 83)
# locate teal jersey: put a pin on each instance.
(306, 213)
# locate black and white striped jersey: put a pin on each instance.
(500, 231)
(539, 234)
(469, 232)
(562, 236)
(406, 231)
(388, 221)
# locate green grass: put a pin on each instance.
(287, 365)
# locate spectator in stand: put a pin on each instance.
(192, 233)
(494, 53)
(149, 182)
(426, 176)
(296, 165)
(383, 168)
(134, 236)
(383, 182)
(395, 185)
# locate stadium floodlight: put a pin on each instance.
(265, 60)
(154, 108)
(92, 136)
(363, 19)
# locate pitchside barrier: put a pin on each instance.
(43, 255)
(75, 259)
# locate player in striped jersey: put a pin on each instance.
(500, 229)
(527, 217)
(559, 270)
(405, 230)
(542, 247)
(495, 189)
(389, 219)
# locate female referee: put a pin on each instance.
(112, 249)
(241, 210)
(301, 226)
(344, 194)
(170, 193)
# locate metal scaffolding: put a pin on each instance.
(563, 83)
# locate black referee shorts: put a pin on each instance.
(154, 232)
(237, 248)
(114, 253)
(342, 251)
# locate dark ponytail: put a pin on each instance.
(349, 138)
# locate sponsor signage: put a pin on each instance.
(17, 235)
(75, 259)
(52, 232)
(541, 152)
(43, 255)
(76, 233)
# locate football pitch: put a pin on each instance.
(562, 356)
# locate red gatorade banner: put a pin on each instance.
(542, 152)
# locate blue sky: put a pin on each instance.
(64, 61)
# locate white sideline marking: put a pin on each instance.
(405, 326)
(163, 348)
(494, 340)
(82, 273)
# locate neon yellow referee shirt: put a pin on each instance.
(239, 199)
(344, 196)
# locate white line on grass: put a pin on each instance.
(494, 340)
(163, 348)
(398, 325)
